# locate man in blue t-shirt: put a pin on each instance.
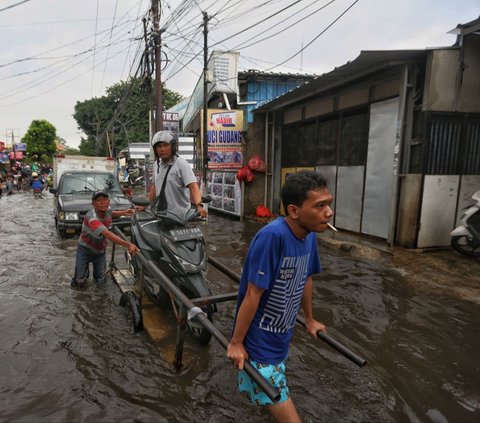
(276, 280)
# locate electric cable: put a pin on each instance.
(14, 5)
(110, 40)
(316, 37)
(94, 49)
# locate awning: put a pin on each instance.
(138, 150)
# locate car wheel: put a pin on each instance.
(60, 232)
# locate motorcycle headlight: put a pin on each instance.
(188, 267)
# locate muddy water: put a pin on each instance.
(70, 355)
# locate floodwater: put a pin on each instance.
(72, 355)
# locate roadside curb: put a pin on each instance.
(355, 249)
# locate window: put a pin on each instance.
(354, 140)
(88, 182)
(299, 145)
(327, 142)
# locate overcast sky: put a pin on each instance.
(57, 52)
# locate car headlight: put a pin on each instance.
(68, 215)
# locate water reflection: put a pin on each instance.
(70, 355)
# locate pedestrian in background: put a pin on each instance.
(9, 185)
(277, 279)
(92, 243)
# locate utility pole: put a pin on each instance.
(205, 100)
(148, 79)
(157, 37)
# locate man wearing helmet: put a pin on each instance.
(36, 184)
(172, 176)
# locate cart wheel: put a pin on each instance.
(130, 298)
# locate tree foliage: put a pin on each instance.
(40, 140)
(71, 151)
(118, 118)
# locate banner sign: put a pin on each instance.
(20, 147)
(170, 121)
(224, 71)
(18, 155)
(2, 146)
(225, 190)
(4, 158)
(225, 138)
(222, 77)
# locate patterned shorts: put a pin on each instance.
(274, 373)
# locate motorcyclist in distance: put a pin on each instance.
(37, 184)
(172, 176)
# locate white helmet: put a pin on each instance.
(164, 136)
(34, 174)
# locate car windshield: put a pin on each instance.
(89, 182)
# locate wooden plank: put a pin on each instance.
(124, 279)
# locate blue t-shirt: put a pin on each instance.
(280, 263)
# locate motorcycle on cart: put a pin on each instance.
(176, 246)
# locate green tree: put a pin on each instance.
(40, 140)
(118, 118)
(71, 151)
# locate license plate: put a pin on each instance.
(184, 234)
(70, 231)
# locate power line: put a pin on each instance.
(38, 56)
(14, 5)
(243, 45)
(315, 38)
(109, 41)
(258, 23)
(94, 49)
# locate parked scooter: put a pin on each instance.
(466, 238)
(171, 241)
(134, 178)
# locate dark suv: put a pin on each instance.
(73, 198)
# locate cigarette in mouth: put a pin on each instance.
(333, 228)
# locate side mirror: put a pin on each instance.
(52, 190)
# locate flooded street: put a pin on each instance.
(71, 355)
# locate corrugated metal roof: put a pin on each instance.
(366, 63)
(275, 75)
(138, 150)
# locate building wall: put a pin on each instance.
(452, 83)
(408, 209)
(262, 90)
(470, 86)
(254, 192)
(441, 77)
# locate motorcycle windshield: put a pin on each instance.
(177, 216)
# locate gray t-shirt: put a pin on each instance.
(180, 175)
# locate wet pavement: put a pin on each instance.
(71, 355)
